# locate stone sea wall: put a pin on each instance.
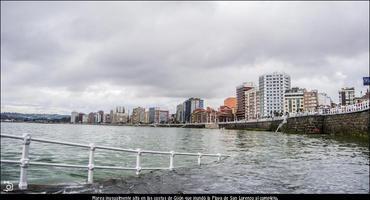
(262, 126)
(356, 123)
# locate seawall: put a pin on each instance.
(356, 123)
(258, 126)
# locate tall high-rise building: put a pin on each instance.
(118, 116)
(146, 117)
(74, 117)
(97, 118)
(180, 113)
(158, 116)
(252, 104)
(138, 115)
(346, 96)
(294, 100)
(85, 119)
(120, 109)
(91, 118)
(107, 118)
(101, 116)
(121, 118)
(190, 105)
(240, 99)
(79, 118)
(272, 88)
(152, 114)
(311, 101)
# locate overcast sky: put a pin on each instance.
(88, 56)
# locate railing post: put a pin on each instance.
(138, 167)
(24, 162)
(171, 160)
(90, 175)
(199, 156)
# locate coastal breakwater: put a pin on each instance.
(355, 123)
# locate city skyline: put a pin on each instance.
(56, 58)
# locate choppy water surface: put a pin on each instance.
(260, 162)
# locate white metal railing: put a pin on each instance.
(338, 110)
(25, 161)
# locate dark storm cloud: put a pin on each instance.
(174, 50)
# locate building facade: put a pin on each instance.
(138, 115)
(107, 118)
(120, 109)
(190, 105)
(157, 115)
(79, 118)
(199, 115)
(163, 116)
(346, 96)
(252, 104)
(272, 88)
(101, 116)
(146, 117)
(294, 100)
(240, 99)
(311, 101)
(91, 118)
(211, 115)
(97, 118)
(180, 113)
(74, 117)
(225, 114)
(324, 101)
(85, 119)
(118, 116)
(230, 102)
(152, 115)
(363, 98)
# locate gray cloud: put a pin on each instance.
(86, 56)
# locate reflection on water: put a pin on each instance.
(261, 162)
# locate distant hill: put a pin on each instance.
(6, 116)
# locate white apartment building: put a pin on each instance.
(85, 119)
(324, 100)
(346, 96)
(294, 100)
(97, 118)
(74, 116)
(272, 88)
